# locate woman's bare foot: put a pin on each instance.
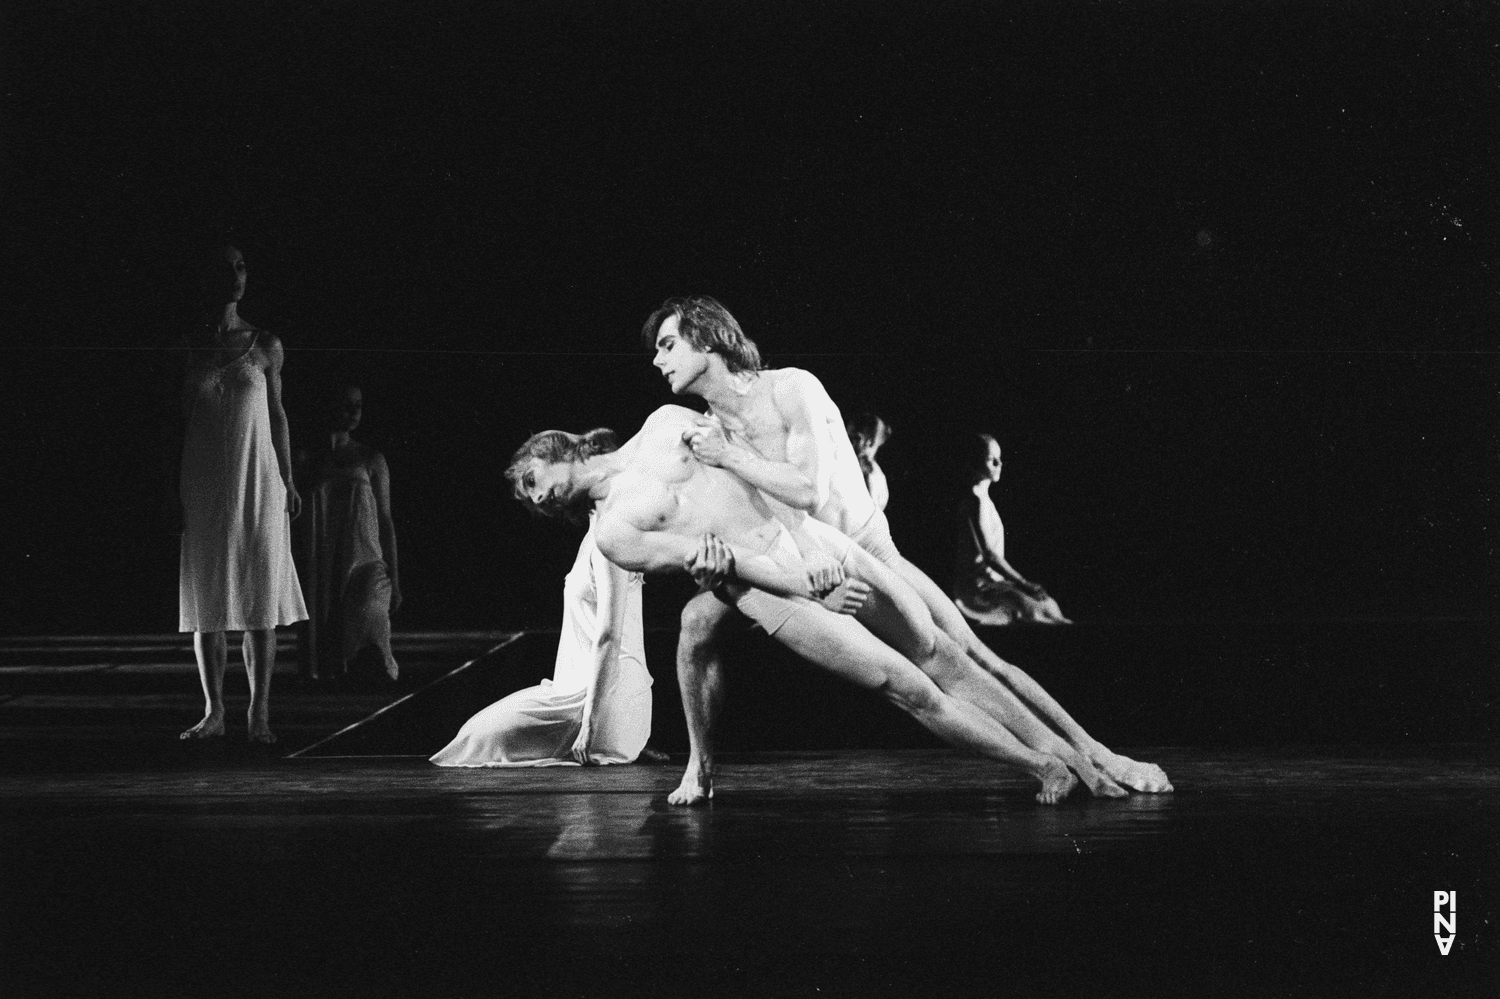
(211, 726)
(1057, 781)
(260, 731)
(696, 788)
(392, 668)
(1145, 777)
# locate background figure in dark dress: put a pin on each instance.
(237, 496)
(347, 545)
(868, 433)
(985, 586)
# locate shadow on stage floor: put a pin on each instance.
(130, 864)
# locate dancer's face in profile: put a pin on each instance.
(346, 409)
(550, 486)
(992, 463)
(222, 276)
(679, 361)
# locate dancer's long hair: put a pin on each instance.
(554, 447)
(708, 326)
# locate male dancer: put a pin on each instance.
(652, 499)
(780, 432)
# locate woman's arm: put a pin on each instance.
(380, 479)
(612, 591)
(985, 521)
(280, 435)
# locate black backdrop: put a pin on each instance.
(1219, 276)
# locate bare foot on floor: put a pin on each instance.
(696, 788)
(261, 732)
(1147, 777)
(1057, 782)
(1099, 785)
(212, 725)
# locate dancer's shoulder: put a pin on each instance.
(796, 389)
(672, 413)
(270, 345)
(794, 380)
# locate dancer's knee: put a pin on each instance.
(913, 693)
(700, 623)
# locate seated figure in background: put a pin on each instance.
(985, 586)
(348, 546)
(868, 433)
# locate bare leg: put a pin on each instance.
(840, 645)
(700, 678)
(211, 651)
(259, 648)
(897, 615)
(1138, 776)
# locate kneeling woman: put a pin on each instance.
(597, 706)
(985, 586)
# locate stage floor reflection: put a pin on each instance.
(857, 873)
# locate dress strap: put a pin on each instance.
(254, 339)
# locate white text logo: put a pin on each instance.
(1444, 923)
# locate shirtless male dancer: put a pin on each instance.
(659, 509)
(780, 432)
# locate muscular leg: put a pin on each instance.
(211, 650)
(700, 678)
(259, 649)
(840, 645)
(1132, 774)
(897, 615)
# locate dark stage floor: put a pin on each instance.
(134, 865)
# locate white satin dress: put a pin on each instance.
(537, 726)
(236, 570)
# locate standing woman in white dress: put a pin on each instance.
(237, 497)
(596, 709)
(348, 542)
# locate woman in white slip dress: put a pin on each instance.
(348, 546)
(597, 707)
(237, 495)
